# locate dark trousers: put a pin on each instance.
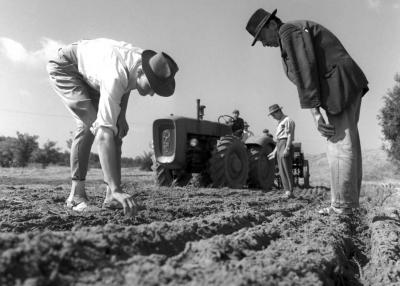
(285, 165)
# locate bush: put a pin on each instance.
(144, 162)
(24, 147)
(7, 150)
(49, 154)
(389, 119)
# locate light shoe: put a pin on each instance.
(332, 210)
(80, 207)
(77, 194)
(71, 204)
(85, 207)
(288, 195)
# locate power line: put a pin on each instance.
(44, 114)
(34, 113)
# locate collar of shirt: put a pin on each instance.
(283, 118)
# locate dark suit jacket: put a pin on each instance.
(318, 64)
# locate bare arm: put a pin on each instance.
(108, 160)
(124, 103)
(290, 138)
(122, 124)
(289, 141)
(272, 155)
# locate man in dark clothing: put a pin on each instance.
(326, 77)
(237, 124)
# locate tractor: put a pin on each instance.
(185, 146)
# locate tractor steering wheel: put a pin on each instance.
(227, 119)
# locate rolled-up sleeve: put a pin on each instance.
(298, 48)
(113, 85)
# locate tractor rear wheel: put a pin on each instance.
(229, 164)
(262, 170)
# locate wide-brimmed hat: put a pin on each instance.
(160, 70)
(273, 108)
(257, 21)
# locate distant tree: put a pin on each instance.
(144, 161)
(127, 162)
(65, 158)
(49, 154)
(389, 119)
(7, 150)
(25, 145)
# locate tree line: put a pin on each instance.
(24, 149)
(389, 119)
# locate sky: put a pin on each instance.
(208, 40)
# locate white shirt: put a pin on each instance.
(108, 66)
(285, 127)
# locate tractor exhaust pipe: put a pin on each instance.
(200, 110)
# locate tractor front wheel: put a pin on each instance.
(262, 170)
(163, 176)
(229, 164)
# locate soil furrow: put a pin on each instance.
(38, 254)
(269, 254)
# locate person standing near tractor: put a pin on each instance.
(237, 124)
(94, 79)
(283, 151)
(326, 77)
(246, 132)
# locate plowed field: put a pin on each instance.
(192, 236)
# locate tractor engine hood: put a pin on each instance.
(170, 136)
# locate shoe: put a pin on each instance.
(332, 210)
(288, 195)
(74, 202)
(82, 207)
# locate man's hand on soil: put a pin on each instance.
(127, 202)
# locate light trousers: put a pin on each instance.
(82, 101)
(285, 165)
(344, 157)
